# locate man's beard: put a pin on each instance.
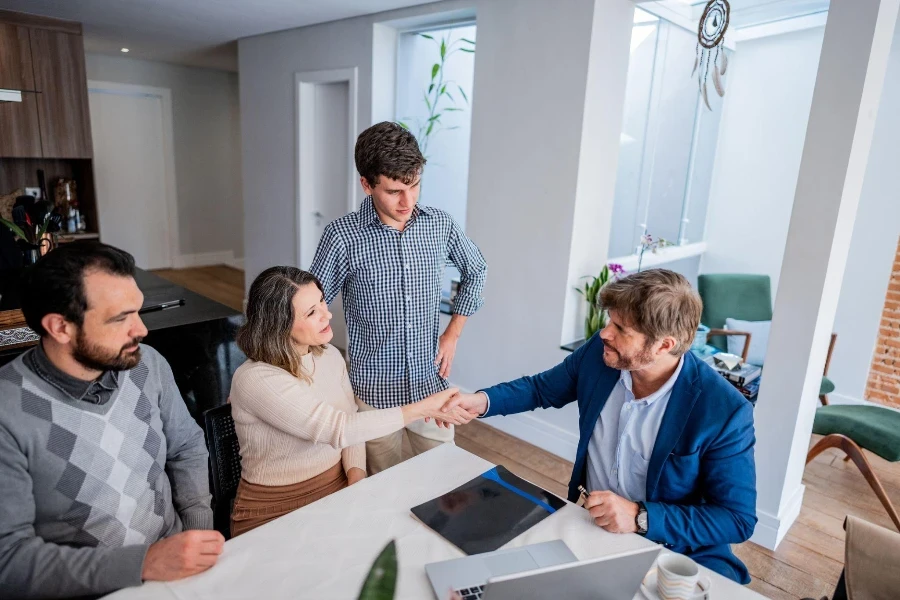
(97, 358)
(632, 362)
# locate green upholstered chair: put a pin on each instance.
(854, 427)
(747, 298)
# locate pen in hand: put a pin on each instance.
(583, 495)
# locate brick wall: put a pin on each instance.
(883, 385)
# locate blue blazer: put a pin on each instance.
(701, 480)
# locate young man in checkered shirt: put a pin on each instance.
(387, 259)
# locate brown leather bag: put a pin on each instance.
(871, 561)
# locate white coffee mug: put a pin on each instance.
(678, 578)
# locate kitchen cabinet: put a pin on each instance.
(19, 126)
(43, 58)
(59, 76)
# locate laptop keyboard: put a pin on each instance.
(473, 593)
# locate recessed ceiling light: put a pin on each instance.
(124, 49)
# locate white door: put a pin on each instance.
(130, 174)
(329, 171)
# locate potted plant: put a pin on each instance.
(32, 225)
(439, 95)
(596, 316)
(381, 581)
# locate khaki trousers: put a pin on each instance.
(385, 452)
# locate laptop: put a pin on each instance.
(547, 570)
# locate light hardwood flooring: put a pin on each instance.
(807, 563)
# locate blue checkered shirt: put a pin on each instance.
(391, 287)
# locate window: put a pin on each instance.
(667, 146)
(435, 105)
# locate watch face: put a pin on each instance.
(642, 519)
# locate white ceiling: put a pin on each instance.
(203, 32)
(746, 13)
(193, 32)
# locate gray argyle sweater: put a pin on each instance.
(87, 486)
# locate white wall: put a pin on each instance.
(207, 144)
(267, 65)
(872, 248)
(761, 141)
(762, 135)
(524, 168)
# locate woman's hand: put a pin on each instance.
(355, 475)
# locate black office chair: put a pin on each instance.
(224, 464)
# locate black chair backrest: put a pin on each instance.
(224, 462)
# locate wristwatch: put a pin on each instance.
(640, 520)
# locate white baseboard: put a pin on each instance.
(237, 263)
(203, 259)
(771, 529)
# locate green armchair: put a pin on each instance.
(747, 298)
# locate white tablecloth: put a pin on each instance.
(324, 550)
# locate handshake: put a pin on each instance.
(447, 408)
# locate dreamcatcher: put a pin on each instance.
(710, 47)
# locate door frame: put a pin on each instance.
(168, 136)
(304, 120)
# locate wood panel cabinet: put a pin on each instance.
(15, 58)
(20, 134)
(59, 76)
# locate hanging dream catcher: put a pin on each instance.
(711, 48)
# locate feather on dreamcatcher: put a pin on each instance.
(711, 47)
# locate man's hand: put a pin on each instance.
(182, 555)
(475, 404)
(611, 512)
(446, 352)
(355, 475)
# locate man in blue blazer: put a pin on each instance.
(666, 447)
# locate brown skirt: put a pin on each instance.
(256, 505)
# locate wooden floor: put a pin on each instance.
(220, 283)
(807, 563)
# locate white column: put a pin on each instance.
(546, 121)
(598, 159)
(839, 135)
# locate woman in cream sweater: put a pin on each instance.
(294, 411)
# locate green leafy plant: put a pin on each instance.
(17, 231)
(441, 94)
(381, 581)
(596, 317)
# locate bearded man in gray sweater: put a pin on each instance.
(103, 472)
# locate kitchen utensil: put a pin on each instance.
(42, 183)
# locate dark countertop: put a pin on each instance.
(196, 338)
(196, 308)
(572, 346)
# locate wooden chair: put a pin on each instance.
(727, 332)
(748, 298)
(853, 428)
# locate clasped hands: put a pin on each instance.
(451, 407)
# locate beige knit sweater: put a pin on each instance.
(291, 431)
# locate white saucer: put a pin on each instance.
(648, 586)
